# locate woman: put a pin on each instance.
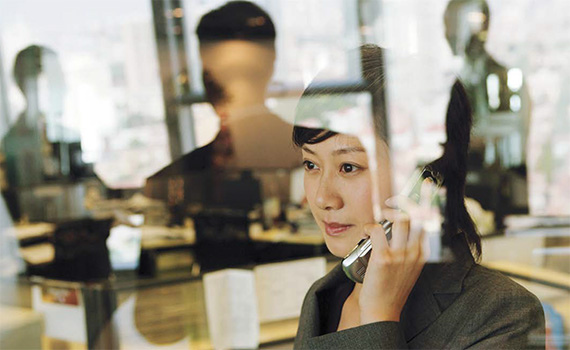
(402, 302)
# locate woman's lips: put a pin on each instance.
(335, 228)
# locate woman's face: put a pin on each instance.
(338, 187)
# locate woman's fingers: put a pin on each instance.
(380, 246)
(416, 232)
(406, 245)
(400, 232)
(401, 228)
(427, 192)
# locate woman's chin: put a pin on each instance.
(339, 250)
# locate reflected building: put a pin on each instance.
(501, 113)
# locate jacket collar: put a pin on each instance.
(311, 324)
(421, 308)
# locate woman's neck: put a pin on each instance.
(355, 294)
(350, 314)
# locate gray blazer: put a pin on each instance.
(452, 306)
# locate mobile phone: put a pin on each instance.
(355, 263)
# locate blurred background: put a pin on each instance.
(110, 219)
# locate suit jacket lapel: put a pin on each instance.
(421, 309)
(443, 280)
(310, 322)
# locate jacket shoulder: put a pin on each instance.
(499, 310)
(485, 282)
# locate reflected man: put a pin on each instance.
(237, 48)
(38, 147)
(498, 176)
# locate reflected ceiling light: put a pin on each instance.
(493, 91)
(515, 103)
(514, 79)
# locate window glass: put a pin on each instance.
(527, 41)
(310, 36)
(108, 91)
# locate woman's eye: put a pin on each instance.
(309, 165)
(349, 168)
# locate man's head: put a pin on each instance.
(39, 76)
(236, 20)
(463, 20)
(237, 48)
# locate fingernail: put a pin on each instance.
(392, 202)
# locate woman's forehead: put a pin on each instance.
(334, 143)
(343, 140)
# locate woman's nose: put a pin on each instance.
(328, 196)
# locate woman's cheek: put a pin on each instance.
(308, 187)
(310, 191)
(361, 200)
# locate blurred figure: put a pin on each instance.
(237, 47)
(497, 159)
(242, 177)
(28, 153)
(38, 147)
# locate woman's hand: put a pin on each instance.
(392, 271)
(394, 268)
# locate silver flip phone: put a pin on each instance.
(355, 263)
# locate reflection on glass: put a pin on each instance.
(498, 179)
(348, 189)
(329, 28)
(246, 166)
(324, 113)
(237, 201)
(39, 147)
(108, 60)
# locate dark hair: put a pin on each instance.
(452, 164)
(241, 20)
(483, 6)
(29, 63)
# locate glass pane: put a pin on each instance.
(187, 173)
(104, 88)
(307, 40)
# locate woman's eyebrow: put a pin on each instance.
(347, 150)
(306, 149)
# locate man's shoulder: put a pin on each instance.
(196, 160)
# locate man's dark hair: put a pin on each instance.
(453, 5)
(236, 20)
(29, 63)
